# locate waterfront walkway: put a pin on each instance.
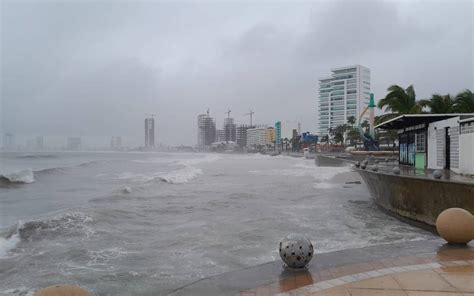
(449, 271)
(429, 267)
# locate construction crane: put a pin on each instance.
(228, 113)
(251, 113)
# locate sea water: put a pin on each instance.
(147, 223)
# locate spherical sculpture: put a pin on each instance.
(61, 291)
(396, 170)
(375, 168)
(363, 166)
(296, 250)
(456, 226)
(386, 159)
(437, 174)
(357, 164)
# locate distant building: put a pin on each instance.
(241, 135)
(8, 141)
(150, 132)
(270, 136)
(230, 129)
(206, 130)
(74, 143)
(278, 132)
(345, 93)
(116, 142)
(260, 136)
(39, 143)
(220, 136)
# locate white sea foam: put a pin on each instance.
(194, 161)
(21, 291)
(179, 176)
(102, 257)
(23, 176)
(8, 244)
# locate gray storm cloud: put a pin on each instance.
(95, 68)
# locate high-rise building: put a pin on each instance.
(8, 141)
(74, 143)
(206, 130)
(241, 135)
(343, 94)
(39, 143)
(230, 129)
(116, 142)
(220, 135)
(150, 132)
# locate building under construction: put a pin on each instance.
(206, 130)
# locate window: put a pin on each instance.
(421, 142)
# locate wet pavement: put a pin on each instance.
(272, 278)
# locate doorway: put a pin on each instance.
(448, 149)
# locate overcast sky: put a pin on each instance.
(95, 68)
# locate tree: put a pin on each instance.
(351, 120)
(338, 133)
(439, 104)
(401, 101)
(325, 139)
(464, 102)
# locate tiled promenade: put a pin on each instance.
(447, 272)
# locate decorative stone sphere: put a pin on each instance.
(386, 159)
(363, 166)
(375, 168)
(62, 291)
(437, 174)
(296, 250)
(396, 170)
(456, 226)
(357, 164)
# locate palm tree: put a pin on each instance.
(351, 120)
(401, 101)
(439, 104)
(464, 102)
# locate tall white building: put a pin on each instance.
(343, 94)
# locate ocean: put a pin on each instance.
(146, 223)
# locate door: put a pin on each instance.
(448, 150)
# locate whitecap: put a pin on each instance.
(183, 175)
(23, 176)
(8, 244)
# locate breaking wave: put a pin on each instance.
(71, 223)
(183, 175)
(23, 176)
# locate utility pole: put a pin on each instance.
(251, 113)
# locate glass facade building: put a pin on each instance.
(343, 94)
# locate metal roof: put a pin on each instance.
(407, 120)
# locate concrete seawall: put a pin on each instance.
(420, 199)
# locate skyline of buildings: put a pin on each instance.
(343, 94)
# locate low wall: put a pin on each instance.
(330, 161)
(420, 199)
